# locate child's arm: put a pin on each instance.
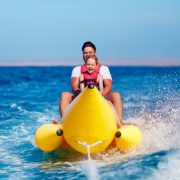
(100, 81)
(81, 83)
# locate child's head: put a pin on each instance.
(91, 63)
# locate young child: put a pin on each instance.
(90, 73)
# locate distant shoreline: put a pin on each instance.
(71, 65)
(152, 63)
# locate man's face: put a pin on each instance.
(87, 52)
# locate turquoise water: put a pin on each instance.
(30, 96)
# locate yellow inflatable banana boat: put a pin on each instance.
(89, 124)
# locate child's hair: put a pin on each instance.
(93, 57)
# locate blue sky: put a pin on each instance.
(127, 32)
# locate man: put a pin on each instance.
(89, 48)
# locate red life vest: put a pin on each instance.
(90, 78)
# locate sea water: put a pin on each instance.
(29, 98)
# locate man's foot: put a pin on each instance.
(128, 123)
(56, 121)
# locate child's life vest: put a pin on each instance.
(90, 78)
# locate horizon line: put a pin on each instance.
(153, 62)
(68, 65)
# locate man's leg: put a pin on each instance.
(65, 100)
(115, 113)
(116, 100)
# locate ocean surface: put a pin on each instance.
(29, 98)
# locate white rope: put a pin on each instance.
(88, 146)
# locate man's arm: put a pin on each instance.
(107, 80)
(76, 72)
(107, 87)
(75, 85)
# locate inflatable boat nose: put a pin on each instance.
(89, 120)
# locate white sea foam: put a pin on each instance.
(13, 105)
(91, 169)
(11, 141)
(7, 157)
(169, 168)
(45, 119)
(160, 130)
(16, 106)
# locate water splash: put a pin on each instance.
(91, 168)
(168, 168)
